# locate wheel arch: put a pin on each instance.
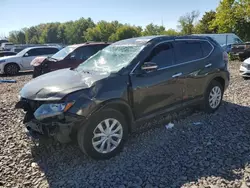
(119, 105)
(12, 63)
(217, 78)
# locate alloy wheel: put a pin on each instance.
(107, 135)
(215, 97)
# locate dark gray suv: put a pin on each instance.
(102, 100)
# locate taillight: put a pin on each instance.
(225, 56)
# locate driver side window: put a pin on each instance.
(162, 55)
(32, 52)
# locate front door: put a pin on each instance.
(28, 57)
(157, 90)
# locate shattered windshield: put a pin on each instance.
(112, 58)
(63, 53)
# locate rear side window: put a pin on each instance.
(206, 48)
(83, 53)
(99, 47)
(33, 52)
(45, 51)
(162, 55)
(189, 50)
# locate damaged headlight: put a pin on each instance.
(50, 110)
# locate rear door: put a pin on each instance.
(155, 91)
(191, 56)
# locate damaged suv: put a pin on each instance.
(102, 100)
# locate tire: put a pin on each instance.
(86, 140)
(214, 87)
(11, 69)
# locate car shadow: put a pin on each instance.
(18, 74)
(217, 145)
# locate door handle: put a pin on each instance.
(208, 65)
(176, 75)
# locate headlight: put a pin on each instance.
(50, 110)
(2, 61)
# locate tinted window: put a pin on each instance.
(49, 50)
(83, 53)
(206, 48)
(162, 55)
(99, 47)
(187, 51)
(33, 52)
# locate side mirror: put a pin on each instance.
(149, 66)
(26, 55)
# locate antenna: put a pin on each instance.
(161, 22)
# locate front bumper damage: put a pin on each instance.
(60, 127)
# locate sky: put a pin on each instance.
(17, 14)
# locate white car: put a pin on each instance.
(11, 65)
(245, 68)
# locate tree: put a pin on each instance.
(17, 37)
(125, 32)
(187, 22)
(32, 35)
(225, 20)
(152, 29)
(74, 31)
(171, 32)
(102, 31)
(233, 16)
(204, 25)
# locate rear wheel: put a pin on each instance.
(104, 134)
(11, 69)
(213, 97)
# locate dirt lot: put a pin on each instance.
(215, 153)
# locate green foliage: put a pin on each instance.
(205, 24)
(152, 29)
(17, 37)
(186, 22)
(125, 32)
(102, 31)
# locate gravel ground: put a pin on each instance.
(215, 153)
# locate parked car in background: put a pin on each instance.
(245, 69)
(242, 51)
(6, 46)
(11, 65)
(226, 40)
(132, 80)
(6, 53)
(68, 57)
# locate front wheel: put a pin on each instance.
(104, 135)
(213, 97)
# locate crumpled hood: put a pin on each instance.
(57, 84)
(38, 60)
